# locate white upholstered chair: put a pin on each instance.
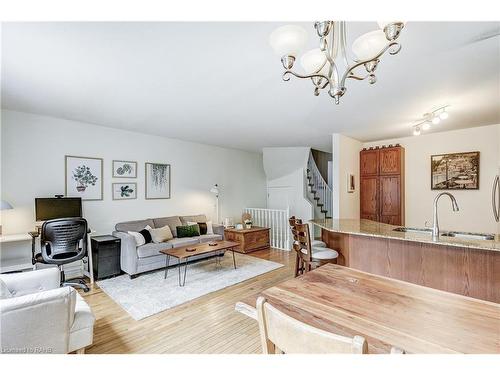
(280, 333)
(39, 316)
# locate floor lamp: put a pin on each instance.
(215, 190)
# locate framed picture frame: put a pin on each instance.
(157, 181)
(83, 177)
(123, 190)
(457, 171)
(124, 169)
(351, 183)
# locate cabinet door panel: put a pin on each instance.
(369, 192)
(390, 160)
(389, 195)
(368, 162)
(393, 220)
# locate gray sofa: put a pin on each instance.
(137, 259)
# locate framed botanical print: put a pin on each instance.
(124, 169)
(124, 190)
(83, 177)
(458, 171)
(157, 181)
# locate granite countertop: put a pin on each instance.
(374, 229)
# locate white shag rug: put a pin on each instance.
(150, 293)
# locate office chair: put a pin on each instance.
(64, 241)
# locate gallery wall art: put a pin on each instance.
(124, 169)
(459, 171)
(83, 177)
(125, 190)
(157, 181)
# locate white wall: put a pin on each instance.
(475, 205)
(285, 172)
(345, 160)
(33, 150)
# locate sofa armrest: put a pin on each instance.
(218, 229)
(38, 322)
(22, 283)
(128, 255)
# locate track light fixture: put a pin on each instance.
(431, 118)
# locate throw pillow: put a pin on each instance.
(146, 234)
(4, 291)
(210, 229)
(203, 226)
(159, 235)
(139, 238)
(188, 231)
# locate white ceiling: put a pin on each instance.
(220, 83)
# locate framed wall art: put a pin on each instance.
(83, 177)
(124, 190)
(124, 169)
(157, 181)
(459, 171)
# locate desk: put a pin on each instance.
(11, 264)
(387, 312)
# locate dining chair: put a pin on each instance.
(280, 333)
(311, 257)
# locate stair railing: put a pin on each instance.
(277, 221)
(322, 193)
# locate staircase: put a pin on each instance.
(319, 190)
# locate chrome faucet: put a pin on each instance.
(435, 224)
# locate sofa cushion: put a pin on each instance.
(160, 235)
(152, 249)
(172, 221)
(179, 242)
(4, 291)
(193, 218)
(134, 226)
(210, 237)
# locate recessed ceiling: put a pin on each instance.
(220, 83)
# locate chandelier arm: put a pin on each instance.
(314, 75)
(332, 71)
(395, 48)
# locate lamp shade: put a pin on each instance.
(4, 205)
(288, 40)
(368, 45)
(314, 60)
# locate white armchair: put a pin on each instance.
(38, 316)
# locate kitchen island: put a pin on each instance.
(470, 267)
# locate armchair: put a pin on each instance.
(39, 316)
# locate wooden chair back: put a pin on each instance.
(281, 333)
(304, 241)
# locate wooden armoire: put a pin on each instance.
(382, 182)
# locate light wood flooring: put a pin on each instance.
(208, 324)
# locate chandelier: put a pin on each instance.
(328, 66)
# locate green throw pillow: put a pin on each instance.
(188, 231)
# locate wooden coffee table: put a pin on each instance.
(182, 254)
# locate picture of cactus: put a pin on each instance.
(126, 190)
(124, 169)
(83, 177)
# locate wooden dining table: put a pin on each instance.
(386, 312)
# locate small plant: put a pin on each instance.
(125, 168)
(83, 177)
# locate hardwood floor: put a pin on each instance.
(208, 324)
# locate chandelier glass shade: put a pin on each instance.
(328, 66)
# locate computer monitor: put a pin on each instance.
(55, 208)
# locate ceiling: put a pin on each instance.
(220, 83)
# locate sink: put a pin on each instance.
(472, 236)
(415, 230)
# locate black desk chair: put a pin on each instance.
(64, 241)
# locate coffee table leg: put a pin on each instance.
(234, 260)
(179, 266)
(166, 266)
(185, 270)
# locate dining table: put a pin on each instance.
(388, 313)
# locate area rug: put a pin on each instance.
(150, 293)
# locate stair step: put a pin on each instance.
(310, 185)
(328, 217)
(324, 211)
(319, 204)
(316, 198)
(313, 191)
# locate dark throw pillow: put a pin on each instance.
(147, 236)
(203, 228)
(188, 231)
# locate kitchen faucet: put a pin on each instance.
(435, 224)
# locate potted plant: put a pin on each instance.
(83, 178)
